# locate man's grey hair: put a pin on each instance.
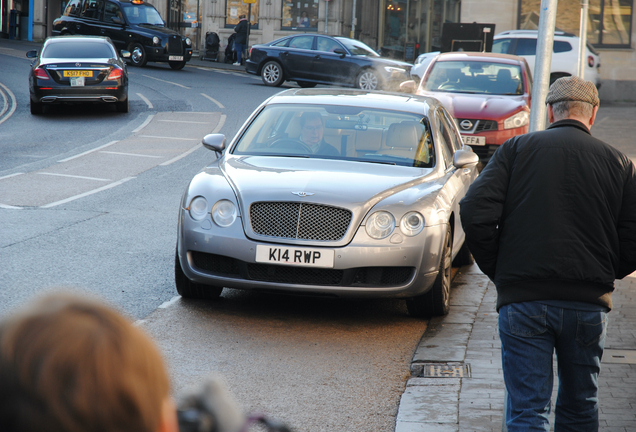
(565, 109)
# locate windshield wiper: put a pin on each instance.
(377, 162)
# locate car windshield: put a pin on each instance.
(357, 47)
(78, 49)
(143, 14)
(339, 132)
(474, 77)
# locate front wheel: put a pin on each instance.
(368, 80)
(436, 301)
(188, 289)
(177, 65)
(272, 74)
(138, 55)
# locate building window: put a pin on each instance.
(609, 22)
(236, 8)
(300, 15)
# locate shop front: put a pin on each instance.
(412, 27)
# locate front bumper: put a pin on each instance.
(494, 139)
(365, 267)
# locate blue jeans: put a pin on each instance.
(239, 51)
(530, 333)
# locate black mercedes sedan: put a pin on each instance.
(312, 59)
(78, 69)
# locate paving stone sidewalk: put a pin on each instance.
(467, 342)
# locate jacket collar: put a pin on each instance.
(570, 123)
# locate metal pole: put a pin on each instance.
(583, 38)
(353, 20)
(326, 16)
(249, 27)
(545, 41)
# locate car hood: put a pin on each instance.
(478, 106)
(152, 30)
(388, 62)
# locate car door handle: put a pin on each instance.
(103, 31)
(317, 57)
(286, 53)
(77, 26)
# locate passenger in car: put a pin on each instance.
(312, 127)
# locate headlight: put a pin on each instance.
(188, 41)
(224, 213)
(391, 69)
(520, 119)
(156, 41)
(198, 208)
(380, 225)
(412, 224)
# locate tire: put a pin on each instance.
(463, 257)
(188, 289)
(272, 74)
(368, 79)
(435, 302)
(305, 84)
(122, 107)
(177, 65)
(36, 107)
(138, 55)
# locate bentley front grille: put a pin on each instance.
(300, 221)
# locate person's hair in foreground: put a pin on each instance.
(71, 364)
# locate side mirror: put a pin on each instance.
(465, 158)
(32, 54)
(125, 54)
(340, 51)
(408, 86)
(214, 142)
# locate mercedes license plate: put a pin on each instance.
(78, 73)
(78, 82)
(175, 58)
(474, 140)
(298, 256)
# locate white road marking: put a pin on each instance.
(10, 175)
(82, 195)
(131, 154)
(4, 117)
(220, 125)
(89, 151)
(213, 100)
(150, 106)
(238, 74)
(166, 305)
(165, 137)
(182, 121)
(167, 82)
(10, 207)
(144, 124)
(73, 176)
(181, 156)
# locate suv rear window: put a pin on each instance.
(527, 46)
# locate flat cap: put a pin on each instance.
(572, 88)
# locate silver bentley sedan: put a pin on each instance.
(330, 192)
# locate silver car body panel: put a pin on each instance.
(361, 188)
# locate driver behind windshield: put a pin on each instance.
(312, 126)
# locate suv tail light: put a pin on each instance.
(115, 74)
(40, 73)
(590, 61)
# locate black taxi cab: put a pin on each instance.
(132, 25)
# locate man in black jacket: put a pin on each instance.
(241, 38)
(551, 220)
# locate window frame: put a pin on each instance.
(244, 8)
(296, 27)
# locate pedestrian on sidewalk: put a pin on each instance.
(551, 220)
(241, 38)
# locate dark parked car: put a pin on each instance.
(78, 69)
(132, 25)
(317, 59)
